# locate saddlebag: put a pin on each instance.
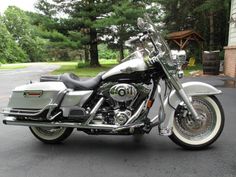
(33, 99)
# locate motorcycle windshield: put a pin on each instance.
(138, 54)
(161, 44)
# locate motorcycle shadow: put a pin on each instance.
(85, 144)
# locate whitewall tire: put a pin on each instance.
(197, 135)
(51, 135)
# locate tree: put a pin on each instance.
(18, 24)
(215, 11)
(99, 18)
(82, 40)
(96, 20)
(47, 8)
(60, 41)
(10, 52)
(208, 17)
(121, 23)
(124, 19)
(83, 18)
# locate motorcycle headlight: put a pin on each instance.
(179, 57)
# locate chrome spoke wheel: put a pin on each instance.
(197, 129)
(196, 134)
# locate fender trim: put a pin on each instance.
(173, 100)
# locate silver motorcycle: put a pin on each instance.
(119, 101)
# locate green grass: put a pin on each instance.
(12, 66)
(189, 70)
(83, 69)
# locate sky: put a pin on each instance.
(23, 4)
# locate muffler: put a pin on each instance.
(30, 123)
(33, 123)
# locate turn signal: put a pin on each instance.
(149, 103)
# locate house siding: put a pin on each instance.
(232, 26)
(230, 50)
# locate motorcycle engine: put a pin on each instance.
(123, 92)
(122, 100)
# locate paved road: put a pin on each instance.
(21, 155)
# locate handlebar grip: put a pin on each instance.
(141, 37)
(129, 42)
(133, 39)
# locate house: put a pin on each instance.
(230, 50)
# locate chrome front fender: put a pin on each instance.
(200, 88)
(191, 89)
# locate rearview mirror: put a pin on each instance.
(140, 23)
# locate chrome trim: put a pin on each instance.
(123, 92)
(188, 103)
(21, 112)
(155, 120)
(94, 110)
(14, 121)
(53, 117)
(30, 123)
(136, 114)
(128, 126)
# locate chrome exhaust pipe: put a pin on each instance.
(14, 121)
(128, 127)
(31, 123)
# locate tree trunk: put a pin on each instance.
(121, 53)
(211, 17)
(86, 54)
(93, 48)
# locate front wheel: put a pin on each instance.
(198, 134)
(51, 135)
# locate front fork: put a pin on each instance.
(179, 89)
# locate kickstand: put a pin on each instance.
(147, 125)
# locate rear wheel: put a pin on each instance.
(198, 134)
(51, 135)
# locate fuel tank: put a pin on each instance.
(127, 68)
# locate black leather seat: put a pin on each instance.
(73, 81)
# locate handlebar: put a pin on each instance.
(141, 37)
(132, 40)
